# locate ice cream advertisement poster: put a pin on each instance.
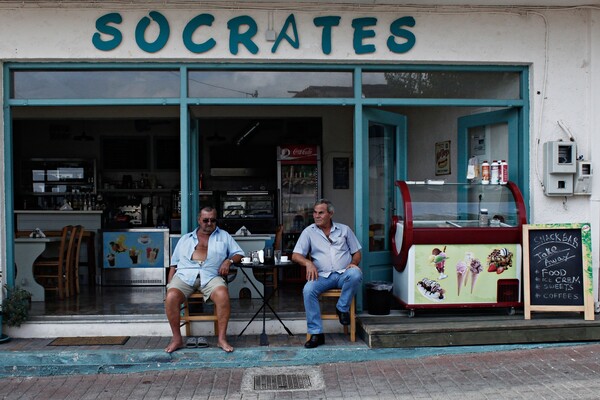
(133, 249)
(455, 274)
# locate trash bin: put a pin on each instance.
(379, 297)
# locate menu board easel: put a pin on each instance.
(558, 268)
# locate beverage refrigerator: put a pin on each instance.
(299, 186)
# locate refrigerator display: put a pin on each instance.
(299, 184)
(458, 245)
(134, 257)
(254, 210)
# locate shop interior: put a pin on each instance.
(128, 170)
(130, 158)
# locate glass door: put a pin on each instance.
(385, 133)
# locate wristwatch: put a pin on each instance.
(231, 261)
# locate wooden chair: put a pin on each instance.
(51, 273)
(187, 318)
(73, 264)
(336, 293)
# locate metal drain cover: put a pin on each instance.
(281, 382)
(272, 379)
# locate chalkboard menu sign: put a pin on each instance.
(558, 268)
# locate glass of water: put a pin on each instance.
(277, 255)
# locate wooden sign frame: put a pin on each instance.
(586, 257)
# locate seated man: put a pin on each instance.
(201, 259)
(334, 257)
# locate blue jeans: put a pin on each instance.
(349, 282)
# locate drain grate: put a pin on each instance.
(282, 382)
(282, 379)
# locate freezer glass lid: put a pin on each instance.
(456, 205)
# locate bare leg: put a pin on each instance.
(173, 309)
(220, 296)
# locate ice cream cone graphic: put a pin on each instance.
(473, 281)
(461, 274)
(475, 267)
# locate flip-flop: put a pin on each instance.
(191, 342)
(202, 342)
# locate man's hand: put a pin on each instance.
(224, 268)
(352, 266)
(311, 272)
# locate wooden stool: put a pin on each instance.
(186, 319)
(337, 293)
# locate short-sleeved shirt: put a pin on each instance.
(328, 255)
(221, 246)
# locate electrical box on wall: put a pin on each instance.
(583, 178)
(560, 164)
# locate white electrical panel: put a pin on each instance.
(560, 164)
(583, 178)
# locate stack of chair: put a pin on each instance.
(60, 274)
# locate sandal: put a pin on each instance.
(202, 342)
(191, 342)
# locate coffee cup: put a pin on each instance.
(246, 260)
(284, 259)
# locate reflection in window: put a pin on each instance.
(441, 84)
(94, 84)
(381, 173)
(270, 84)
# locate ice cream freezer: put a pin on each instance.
(457, 245)
(135, 257)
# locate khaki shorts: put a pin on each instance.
(187, 290)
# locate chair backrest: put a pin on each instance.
(79, 229)
(73, 263)
(66, 236)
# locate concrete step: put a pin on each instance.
(461, 329)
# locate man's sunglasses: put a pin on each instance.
(207, 220)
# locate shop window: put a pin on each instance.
(93, 84)
(441, 84)
(270, 84)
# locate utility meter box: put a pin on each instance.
(560, 157)
(583, 178)
(560, 164)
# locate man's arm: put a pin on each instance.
(311, 270)
(172, 270)
(226, 264)
(356, 257)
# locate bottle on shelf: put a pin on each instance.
(485, 173)
(483, 217)
(503, 172)
(494, 172)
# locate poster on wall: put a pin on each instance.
(135, 248)
(442, 158)
(467, 274)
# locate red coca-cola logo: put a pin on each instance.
(297, 152)
(307, 151)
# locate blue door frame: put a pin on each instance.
(377, 265)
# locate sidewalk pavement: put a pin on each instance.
(30, 369)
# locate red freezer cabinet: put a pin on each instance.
(457, 245)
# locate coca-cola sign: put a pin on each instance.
(298, 152)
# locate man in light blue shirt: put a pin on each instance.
(201, 260)
(333, 263)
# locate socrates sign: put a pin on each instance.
(243, 29)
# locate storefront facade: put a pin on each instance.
(385, 82)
